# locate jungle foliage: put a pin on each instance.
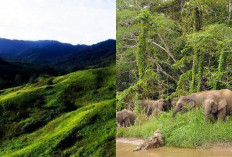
(172, 48)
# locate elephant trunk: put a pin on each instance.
(177, 109)
(207, 112)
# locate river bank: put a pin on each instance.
(125, 146)
(187, 130)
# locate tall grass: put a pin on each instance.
(185, 130)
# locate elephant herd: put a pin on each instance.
(217, 103)
(126, 118)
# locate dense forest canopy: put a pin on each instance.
(168, 48)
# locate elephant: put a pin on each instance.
(149, 106)
(216, 105)
(125, 118)
(174, 101)
(197, 99)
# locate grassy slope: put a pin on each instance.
(67, 115)
(186, 130)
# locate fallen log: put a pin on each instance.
(154, 141)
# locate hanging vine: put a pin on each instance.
(141, 52)
(192, 85)
(182, 85)
(220, 69)
(200, 71)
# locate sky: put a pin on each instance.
(69, 21)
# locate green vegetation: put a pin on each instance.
(86, 131)
(159, 42)
(17, 73)
(70, 115)
(186, 130)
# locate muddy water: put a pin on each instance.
(125, 150)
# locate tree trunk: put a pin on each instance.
(192, 85)
(198, 20)
(200, 72)
(229, 9)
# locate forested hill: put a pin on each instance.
(58, 55)
(172, 48)
(98, 55)
(23, 61)
(17, 73)
(69, 115)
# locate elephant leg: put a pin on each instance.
(214, 117)
(222, 114)
(122, 124)
(149, 111)
(127, 122)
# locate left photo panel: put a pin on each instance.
(57, 78)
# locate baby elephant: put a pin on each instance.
(125, 118)
(215, 105)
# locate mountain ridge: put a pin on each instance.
(57, 55)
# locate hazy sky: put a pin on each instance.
(72, 21)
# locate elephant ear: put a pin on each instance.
(221, 104)
(124, 116)
(161, 105)
(214, 107)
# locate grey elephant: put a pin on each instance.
(216, 105)
(161, 105)
(125, 118)
(197, 100)
(150, 106)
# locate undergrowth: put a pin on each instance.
(185, 130)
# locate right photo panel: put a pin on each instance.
(174, 78)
